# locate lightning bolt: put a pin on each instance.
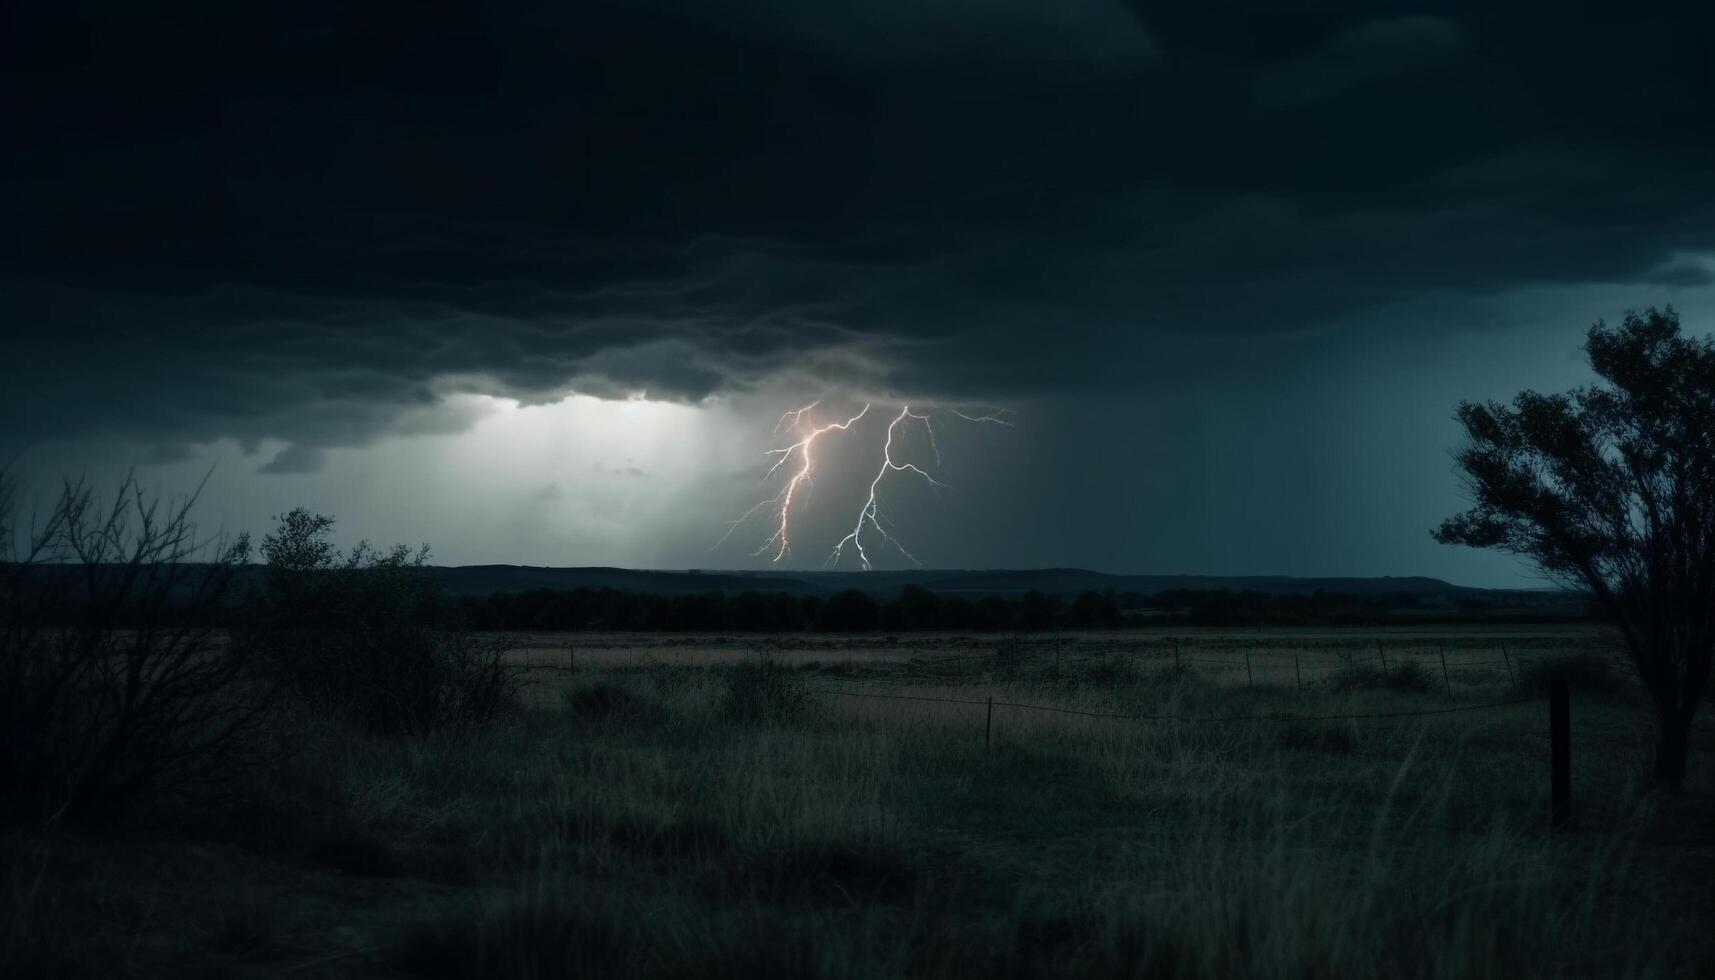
(869, 513)
(782, 536)
(870, 518)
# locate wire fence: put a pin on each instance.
(1301, 664)
(1181, 719)
(1007, 659)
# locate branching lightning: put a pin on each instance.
(869, 512)
(870, 517)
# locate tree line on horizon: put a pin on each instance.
(918, 609)
(913, 609)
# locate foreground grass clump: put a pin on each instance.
(763, 690)
(1406, 677)
(635, 823)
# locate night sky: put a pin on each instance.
(534, 282)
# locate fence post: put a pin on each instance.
(1296, 672)
(1444, 678)
(1250, 680)
(988, 726)
(1560, 754)
(1511, 680)
(1383, 652)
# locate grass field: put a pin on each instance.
(731, 807)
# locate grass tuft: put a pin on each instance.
(762, 691)
(1407, 677)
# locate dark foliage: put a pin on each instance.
(356, 854)
(919, 609)
(114, 684)
(1225, 607)
(604, 701)
(360, 634)
(1406, 677)
(823, 873)
(1611, 488)
(1317, 738)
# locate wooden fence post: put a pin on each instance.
(988, 726)
(1383, 653)
(1250, 679)
(1444, 678)
(1511, 680)
(1296, 671)
(1560, 754)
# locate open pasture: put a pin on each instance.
(851, 807)
(1473, 656)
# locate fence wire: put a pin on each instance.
(1184, 719)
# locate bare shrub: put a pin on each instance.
(115, 679)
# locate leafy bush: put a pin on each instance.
(360, 633)
(1582, 671)
(762, 690)
(114, 684)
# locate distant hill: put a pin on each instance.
(1422, 591)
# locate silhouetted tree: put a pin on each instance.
(1039, 610)
(1612, 488)
(1096, 609)
(919, 609)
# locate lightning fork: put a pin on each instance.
(782, 534)
(869, 512)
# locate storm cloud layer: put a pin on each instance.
(308, 226)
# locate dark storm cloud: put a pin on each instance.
(272, 222)
(1374, 50)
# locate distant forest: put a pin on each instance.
(918, 609)
(912, 609)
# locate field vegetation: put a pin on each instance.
(678, 811)
(402, 800)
